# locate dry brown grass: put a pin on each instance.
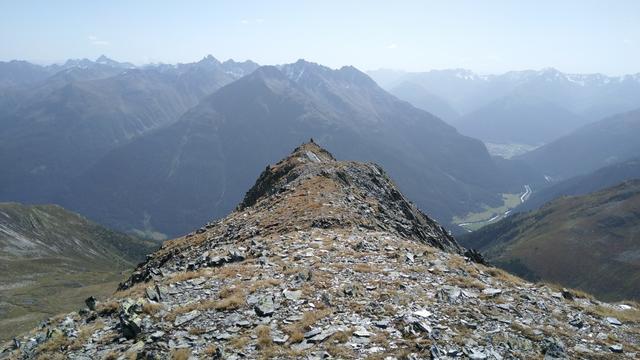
(197, 331)
(60, 342)
(111, 355)
(106, 308)
(231, 298)
(467, 282)
(152, 308)
(558, 288)
(55, 344)
(629, 316)
(230, 303)
(180, 354)
(84, 333)
(135, 291)
(380, 338)
(264, 283)
(342, 336)
(525, 331)
(364, 268)
(235, 270)
(296, 330)
(188, 275)
(239, 342)
(52, 356)
(504, 276)
(263, 332)
(210, 351)
(341, 351)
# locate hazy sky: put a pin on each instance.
(485, 36)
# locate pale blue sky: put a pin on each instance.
(485, 36)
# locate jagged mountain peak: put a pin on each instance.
(313, 74)
(209, 59)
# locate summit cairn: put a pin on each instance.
(326, 258)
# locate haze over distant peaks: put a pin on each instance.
(529, 107)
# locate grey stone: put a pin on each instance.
(280, 339)
(324, 335)
(312, 332)
(362, 332)
(152, 294)
(292, 295)
(614, 321)
(265, 306)
(91, 303)
(616, 348)
(553, 349)
(491, 292)
(157, 335)
(185, 318)
(383, 324)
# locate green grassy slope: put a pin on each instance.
(590, 242)
(52, 259)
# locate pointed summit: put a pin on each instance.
(209, 60)
(309, 190)
(312, 172)
(103, 59)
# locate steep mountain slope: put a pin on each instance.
(325, 258)
(198, 167)
(589, 148)
(67, 123)
(51, 259)
(518, 119)
(600, 179)
(589, 242)
(422, 99)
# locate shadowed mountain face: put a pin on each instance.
(328, 257)
(179, 176)
(608, 141)
(589, 242)
(52, 259)
(63, 124)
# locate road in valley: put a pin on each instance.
(524, 197)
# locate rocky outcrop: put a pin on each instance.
(322, 259)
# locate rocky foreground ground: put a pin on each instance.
(326, 259)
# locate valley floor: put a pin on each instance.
(29, 299)
(476, 220)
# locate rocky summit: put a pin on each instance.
(327, 259)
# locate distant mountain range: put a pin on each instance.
(588, 242)
(62, 119)
(602, 143)
(52, 259)
(182, 175)
(120, 143)
(530, 107)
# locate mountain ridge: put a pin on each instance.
(326, 257)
